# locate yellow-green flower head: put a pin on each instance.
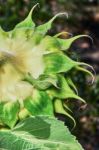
(32, 70)
(18, 57)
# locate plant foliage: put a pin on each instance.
(43, 133)
(35, 81)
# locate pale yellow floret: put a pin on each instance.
(18, 58)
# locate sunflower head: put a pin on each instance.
(34, 70)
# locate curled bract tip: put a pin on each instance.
(57, 15)
(93, 75)
(88, 36)
(59, 108)
(63, 33)
(35, 6)
(32, 9)
(44, 28)
(62, 13)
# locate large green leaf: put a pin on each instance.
(9, 113)
(39, 104)
(38, 133)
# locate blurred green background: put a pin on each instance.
(83, 19)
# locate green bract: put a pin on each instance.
(34, 80)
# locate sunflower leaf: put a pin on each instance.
(40, 132)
